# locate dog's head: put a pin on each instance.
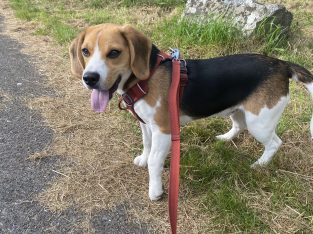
(104, 56)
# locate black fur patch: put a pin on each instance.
(220, 83)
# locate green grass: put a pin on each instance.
(98, 17)
(232, 207)
(127, 3)
(271, 37)
(186, 34)
(218, 173)
(25, 10)
(61, 32)
(48, 24)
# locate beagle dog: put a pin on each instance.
(252, 89)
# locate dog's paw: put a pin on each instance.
(224, 137)
(155, 193)
(141, 161)
(258, 164)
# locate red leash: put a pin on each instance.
(175, 132)
(139, 90)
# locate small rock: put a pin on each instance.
(246, 14)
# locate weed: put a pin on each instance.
(271, 36)
(189, 35)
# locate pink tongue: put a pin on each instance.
(99, 100)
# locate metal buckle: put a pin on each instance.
(175, 54)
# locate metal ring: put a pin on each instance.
(120, 104)
(184, 62)
(128, 99)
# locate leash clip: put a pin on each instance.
(129, 101)
(175, 53)
(125, 102)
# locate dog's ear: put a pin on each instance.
(140, 50)
(77, 60)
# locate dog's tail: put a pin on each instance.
(300, 74)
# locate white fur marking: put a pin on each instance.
(142, 159)
(145, 111)
(270, 149)
(156, 145)
(160, 147)
(97, 64)
(239, 124)
(310, 89)
(263, 126)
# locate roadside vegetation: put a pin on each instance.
(215, 175)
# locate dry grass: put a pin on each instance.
(99, 148)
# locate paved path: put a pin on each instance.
(22, 133)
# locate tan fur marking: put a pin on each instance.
(158, 90)
(162, 117)
(77, 61)
(158, 86)
(139, 49)
(90, 41)
(268, 93)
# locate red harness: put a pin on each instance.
(139, 90)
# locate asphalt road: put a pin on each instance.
(22, 133)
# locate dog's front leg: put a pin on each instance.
(160, 147)
(142, 159)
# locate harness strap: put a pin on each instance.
(132, 95)
(139, 90)
(183, 78)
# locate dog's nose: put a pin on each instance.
(91, 78)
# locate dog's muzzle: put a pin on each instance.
(91, 79)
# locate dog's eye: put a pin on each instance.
(114, 54)
(85, 52)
